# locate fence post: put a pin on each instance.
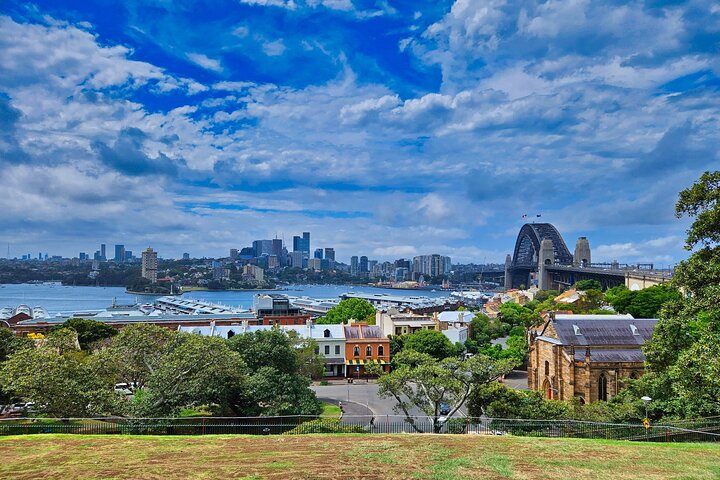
(203, 426)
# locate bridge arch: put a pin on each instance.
(527, 245)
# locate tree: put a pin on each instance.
(350, 308)
(11, 343)
(136, 352)
(495, 400)
(515, 314)
(645, 303)
(266, 348)
(421, 381)
(61, 385)
(432, 342)
(279, 382)
(310, 363)
(62, 340)
(274, 393)
(589, 284)
(88, 331)
(683, 360)
(196, 370)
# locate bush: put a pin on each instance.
(325, 425)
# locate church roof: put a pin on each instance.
(612, 355)
(601, 330)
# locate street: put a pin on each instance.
(366, 394)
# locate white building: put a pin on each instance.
(454, 325)
(330, 339)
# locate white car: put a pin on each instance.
(123, 388)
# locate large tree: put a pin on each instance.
(420, 381)
(137, 352)
(683, 360)
(279, 370)
(350, 308)
(195, 370)
(432, 342)
(88, 331)
(69, 384)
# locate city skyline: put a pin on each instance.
(387, 129)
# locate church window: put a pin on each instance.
(602, 387)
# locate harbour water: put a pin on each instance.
(57, 298)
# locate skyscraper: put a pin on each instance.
(302, 244)
(318, 253)
(262, 247)
(354, 265)
(103, 257)
(306, 242)
(119, 253)
(277, 247)
(330, 253)
(149, 265)
(363, 264)
(233, 253)
(186, 256)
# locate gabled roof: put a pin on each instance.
(611, 330)
(456, 316)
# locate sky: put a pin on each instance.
(386, 128)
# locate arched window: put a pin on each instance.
(547, 368)
(368, 351)
(547, 390)
(326, 333)
(231, 334)
(356, 351)
(602, 387)
(381, 351)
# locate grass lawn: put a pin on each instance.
(331, 410)
(404, 456)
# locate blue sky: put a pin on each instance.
(386, 128)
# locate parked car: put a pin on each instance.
(123, 388)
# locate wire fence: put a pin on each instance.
(703, 430)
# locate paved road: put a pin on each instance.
(353, 413)
(364, 393)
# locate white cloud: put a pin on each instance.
(205, 62)
(396, 251)
(274, 48)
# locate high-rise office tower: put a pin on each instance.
(318, 253)
(103, 257)
(233, 253)
(330, 253)
(277, 247)
(186, 256)
(119, 253)
(354, 265)
(149, 265)
(306, 242)
(364, 264)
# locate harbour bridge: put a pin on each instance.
(542, 257)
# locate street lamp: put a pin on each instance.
(647, 400)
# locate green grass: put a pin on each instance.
(331, 410)
(422, 457)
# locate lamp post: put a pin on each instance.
(647, 400)
(646, 422)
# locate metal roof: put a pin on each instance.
(603, 330)
(612, 355)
